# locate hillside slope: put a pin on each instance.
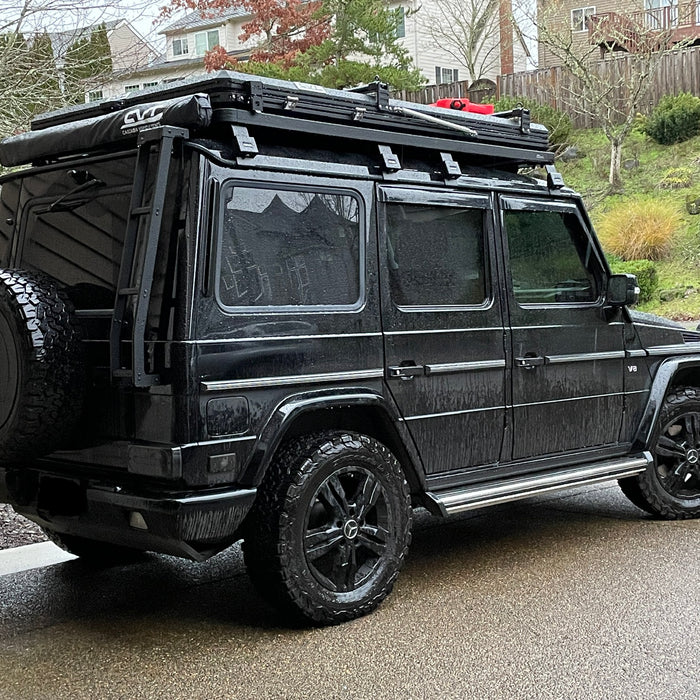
(671, 173)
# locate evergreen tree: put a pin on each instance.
(88, 61)
(336, 43)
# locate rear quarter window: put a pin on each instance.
(288, 249)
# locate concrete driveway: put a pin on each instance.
(574, 596)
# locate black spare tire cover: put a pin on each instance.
(41, 369)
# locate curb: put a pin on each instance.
(31, 556)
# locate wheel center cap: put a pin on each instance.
(692, 456)
(351, 529)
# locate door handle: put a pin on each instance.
(406, 371)
(529, 361)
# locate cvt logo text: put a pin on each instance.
(137, 118)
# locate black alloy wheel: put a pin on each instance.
(330, 528)
(670, 486)
(677, 455)
(347, 529)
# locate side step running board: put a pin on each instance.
(504, 490)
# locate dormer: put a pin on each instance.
(193, 35)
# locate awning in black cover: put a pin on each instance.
(191, 112)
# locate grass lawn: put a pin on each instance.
(671, 173)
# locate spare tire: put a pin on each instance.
(42, 376)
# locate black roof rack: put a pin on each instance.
(365, 114)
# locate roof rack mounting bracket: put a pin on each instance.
(554, 179)
(450, 167)
(255, 95)
(390, 161)
(518, 112)
(380, 90)
(244, 142)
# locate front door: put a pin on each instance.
(568, 357)
(443, 324)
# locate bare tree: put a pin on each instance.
(36, 37)
(468, 30)
(612, 66)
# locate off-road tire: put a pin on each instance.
(293, 502)
(670, 486)
(41, 368)
(93, 552)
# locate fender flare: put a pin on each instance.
(664, 375)
(292, 408)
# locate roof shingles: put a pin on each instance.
(197, 19)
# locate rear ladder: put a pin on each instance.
(131, 285)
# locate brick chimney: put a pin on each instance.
(506, 36)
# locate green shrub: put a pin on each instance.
(558, 124)
(647, 277)
(676, 178)
(638, 228)
(674, 119)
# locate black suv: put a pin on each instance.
(245, 308)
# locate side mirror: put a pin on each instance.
(623, 290)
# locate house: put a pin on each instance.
(437, 57)
(624, 25)
(129, 51)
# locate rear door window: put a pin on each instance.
(435, 255)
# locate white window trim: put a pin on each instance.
(184, 44)
(206, 32)
(584, 11)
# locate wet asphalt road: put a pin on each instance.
(574, 596)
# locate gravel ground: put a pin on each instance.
(16, 530)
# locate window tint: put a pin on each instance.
(282, 248)
(551, 258)
(435, 255)
(80, 247)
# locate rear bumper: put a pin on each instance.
(194, 525)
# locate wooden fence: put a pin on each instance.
(679, 71)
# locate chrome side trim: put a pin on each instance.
(262, 382)
(460, 500)
(454, 413)
(281, 338)
(585, 357)
(572, 398)
(558, 325)
(500, 329)
(682, 349)
(452, 367)
(636, 353)
(220, 441)
(212, 498)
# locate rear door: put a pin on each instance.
(443, 325)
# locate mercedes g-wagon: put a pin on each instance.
(240, 308)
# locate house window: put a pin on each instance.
(446, 75)
(180, 47)
(131, 88)
(95, 95)
(205, 41)
(400, 22)
(153, 84)
(580, 17)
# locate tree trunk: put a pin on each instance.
(615, 178)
